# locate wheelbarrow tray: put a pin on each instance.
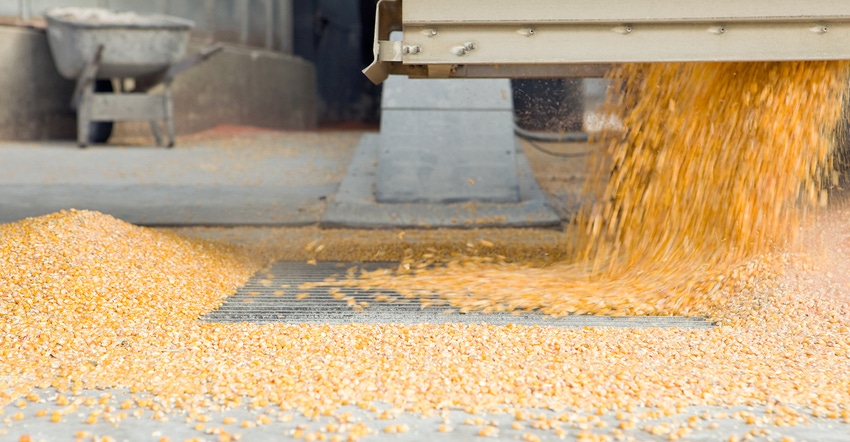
(135, 45)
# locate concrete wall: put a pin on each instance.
(259, 23)
(241, 87)
(34, 98)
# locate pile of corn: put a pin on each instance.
(81, 291)
(706, 181)
(91, 302)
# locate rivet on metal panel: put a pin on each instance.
(414, 49)
(819, 29)
(622, 29)
(429, 32)
(528, 32)
(717, 30)
(460, 50)
(470, 45)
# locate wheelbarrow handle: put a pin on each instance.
(192, 60)
(184, 64)
(87, 76)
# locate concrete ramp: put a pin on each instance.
(446, 156)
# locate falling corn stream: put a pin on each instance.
(697, 208)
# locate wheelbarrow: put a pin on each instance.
(94, 46)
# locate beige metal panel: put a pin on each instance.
(548, 44)
(608, 11)
(535, 38)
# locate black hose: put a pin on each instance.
(533, 137)
(550, 137)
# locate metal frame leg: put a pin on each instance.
(84, 116)
(167, 119)
(156, 133)
(169, 114)
(82, 98)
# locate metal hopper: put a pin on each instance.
(557, 38)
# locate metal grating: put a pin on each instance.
(270, 296)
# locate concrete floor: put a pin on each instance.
(255, 178)
(261, 178)
(277, 179)
(250, 425)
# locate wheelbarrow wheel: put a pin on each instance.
(100, 131)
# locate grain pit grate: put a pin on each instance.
(271, 296)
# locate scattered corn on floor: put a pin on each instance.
(779, 361)
(100, 332)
